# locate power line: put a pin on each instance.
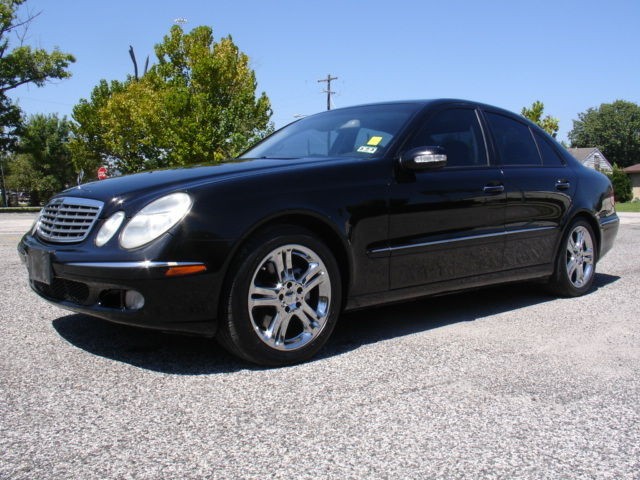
(328, 90)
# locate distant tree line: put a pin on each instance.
(196, 105)
(21, 65)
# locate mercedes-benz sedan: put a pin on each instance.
(341, 210)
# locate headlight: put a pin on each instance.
(36, 223)
(155, 219)
(108, 228)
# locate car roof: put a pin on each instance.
(433, 102)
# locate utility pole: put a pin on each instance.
(328, 90)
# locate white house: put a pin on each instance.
(591, 157)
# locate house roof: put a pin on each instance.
(591, 157)
(633, 168)
(582, 153)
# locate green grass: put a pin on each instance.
(19, 209)
(628, 207)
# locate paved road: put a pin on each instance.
(502, 383)
(15, 223)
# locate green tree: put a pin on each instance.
(614, 128)
(548, 123)
(21, 65)
(622, 187)
(88, 146)
(198, 104)
(138, 129)
(43, 164)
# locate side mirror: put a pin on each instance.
(423, 158)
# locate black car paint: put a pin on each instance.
(396, 234)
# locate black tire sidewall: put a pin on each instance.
(242, 333)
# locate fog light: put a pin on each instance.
(133, 300)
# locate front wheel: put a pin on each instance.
(284, 299)
(576, 261)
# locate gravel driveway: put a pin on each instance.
(500, 383)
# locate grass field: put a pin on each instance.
(19, 209)
(628, 207)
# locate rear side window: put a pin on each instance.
(513, 140)
(456, 130)
(550, 158)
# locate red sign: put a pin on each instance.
(102, 173)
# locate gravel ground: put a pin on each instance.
(500, 383)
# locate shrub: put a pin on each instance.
(622, 188)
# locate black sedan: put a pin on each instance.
(341, 210)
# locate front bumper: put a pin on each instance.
(182, 303)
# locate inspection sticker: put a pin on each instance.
(366, 149)
(374, 141)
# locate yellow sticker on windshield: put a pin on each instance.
(374, 141)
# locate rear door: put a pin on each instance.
(539, 187)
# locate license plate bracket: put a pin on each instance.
(39, 266)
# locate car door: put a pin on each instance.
(448, 223)
(539, 187)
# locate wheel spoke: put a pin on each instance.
(288, 262)
(263, 302)
(579, 275)
(311, 271)
(588, 256)
(571, 267)
(278, 263)
(264, 291)
(277, 331)
(263, 297)
(311, 319)
(314, 282)
(307, 325)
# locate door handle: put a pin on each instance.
(493, 189)
(563, 185)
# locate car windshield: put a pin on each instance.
(364, 131)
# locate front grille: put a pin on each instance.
(68, 219)
(67, 290)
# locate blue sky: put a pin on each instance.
(571, 55)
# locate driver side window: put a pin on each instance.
(457, 130)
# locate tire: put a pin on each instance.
(283, 300)
(576, 261)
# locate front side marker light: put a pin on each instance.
(183, 270)
(109, 228)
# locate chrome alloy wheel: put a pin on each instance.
(579, 256)
(289, 297)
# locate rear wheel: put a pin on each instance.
(284, 299)
(576, 261)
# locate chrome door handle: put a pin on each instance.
(563, 185)
(493, 188)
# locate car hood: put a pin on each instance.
(140, 185)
